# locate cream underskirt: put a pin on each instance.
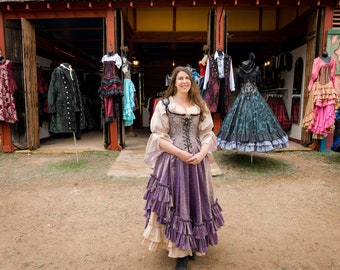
(154, 239)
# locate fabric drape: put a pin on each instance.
(8, 86)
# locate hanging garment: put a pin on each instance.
(250, 124)
(8, 86)
(319, 116)
(65, 102)
(218, 83)
(276, 103)
(111, 87)
(202, 68)
(295, 112)
(182, 212)
(129, 102)
(42, 96)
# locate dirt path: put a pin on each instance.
(56, 214)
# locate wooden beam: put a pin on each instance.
(110, 41)
(170, 37)
(41, 6)
(328, 24)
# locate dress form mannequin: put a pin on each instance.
(319, 116)
(324, 56)
(315, 145)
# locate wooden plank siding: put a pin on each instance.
(30, 84)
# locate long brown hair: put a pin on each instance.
(194, 94)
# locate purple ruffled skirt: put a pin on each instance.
(182, 197)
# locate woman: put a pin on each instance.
(181, 209)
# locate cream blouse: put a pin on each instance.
(159, 127)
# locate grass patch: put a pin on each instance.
(243, 165)
(69, 165)
(92, 165)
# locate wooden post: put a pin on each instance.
(110, 42)
(217, 122)
(219, 45)
(6, 141)
(327, 25)
(5, 128)
(306, 137)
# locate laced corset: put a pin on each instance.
(324, 74)
(184, 130)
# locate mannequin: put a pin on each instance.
(324, 56)
(250, 124)
(64, 86)
(111, 88)
(219, 82)
(129, 104)
(319, 116)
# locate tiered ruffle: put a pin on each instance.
(253, 143)
(166, 229)
(320, 116)
(251, 126)
(111, 84)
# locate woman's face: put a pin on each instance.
(183, 83)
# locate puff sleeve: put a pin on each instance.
(159, 127)
(206, 133)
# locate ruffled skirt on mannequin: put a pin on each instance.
(251, 126)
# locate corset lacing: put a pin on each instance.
(186, 133)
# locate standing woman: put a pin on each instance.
(182, 212)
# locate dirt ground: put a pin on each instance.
(282, 212)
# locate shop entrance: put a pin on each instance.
(81, 42)
(40, 46)
(157, 46)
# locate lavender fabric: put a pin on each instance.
(182, 195)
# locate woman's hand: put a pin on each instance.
(195, 159)
(184, 156)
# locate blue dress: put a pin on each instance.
(250, 124)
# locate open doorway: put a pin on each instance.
(78, 42)
(81, 43)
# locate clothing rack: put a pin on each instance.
(296, 95)
(43, 67)
(274, 92)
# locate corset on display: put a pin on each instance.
(111, 84)
(248, 88)
(248, 82)
(183, 130)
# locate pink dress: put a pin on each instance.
(320, 110)
(8, 86)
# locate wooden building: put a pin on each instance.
(158, 35)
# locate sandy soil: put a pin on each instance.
(282, 213)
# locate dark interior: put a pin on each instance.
(81, 42)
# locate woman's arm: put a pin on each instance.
(170, 148)
(198, 157)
